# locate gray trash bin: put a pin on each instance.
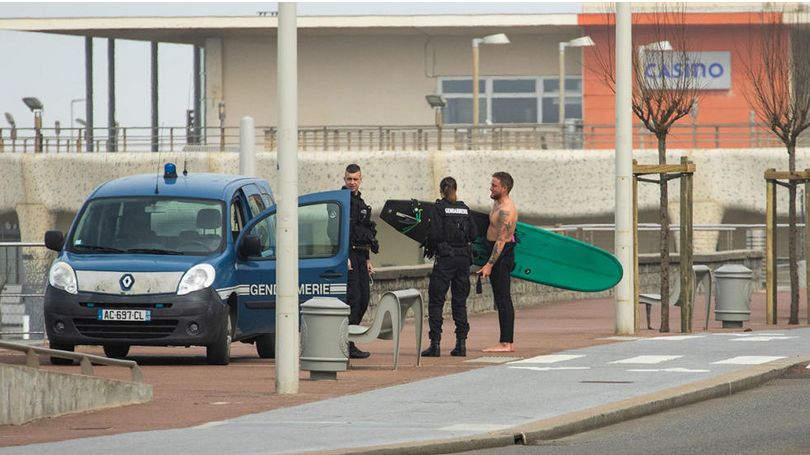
(734, 286)
(324, 337)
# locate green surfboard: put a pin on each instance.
(541, 256)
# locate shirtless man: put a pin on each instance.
(501, 235)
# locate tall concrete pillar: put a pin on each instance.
(703, 212)
(34, 220)
(214, 84)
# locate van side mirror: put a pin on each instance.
(251, 246)
(54, 240)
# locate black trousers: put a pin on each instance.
(449, 272)
(357, 288)
(502, 290)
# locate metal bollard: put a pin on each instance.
(324, 337)
(734, 287)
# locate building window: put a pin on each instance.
(510, 99)
(551, 99)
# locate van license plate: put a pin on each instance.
(124, 315)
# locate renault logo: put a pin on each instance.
(126, 282)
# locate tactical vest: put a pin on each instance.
(456, 223)
(362, 230)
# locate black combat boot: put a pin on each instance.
(433, 350)
(355, 353)
(461, 348)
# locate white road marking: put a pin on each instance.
(621, 338)
(474, 427)
(764, 338)
(493, 359)
(550, 368)
(675, 338)
(649, 359)
(748, 360)
(553, 358)
(668, 370)
(748, 334)
(210, 425)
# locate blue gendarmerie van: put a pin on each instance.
(185, 260)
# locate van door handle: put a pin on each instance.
(331, 275)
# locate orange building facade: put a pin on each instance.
(723, 118)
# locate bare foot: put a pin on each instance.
(501, 347)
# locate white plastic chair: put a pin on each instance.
(389, 320)
(651, 299)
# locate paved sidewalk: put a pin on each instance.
(568, 373)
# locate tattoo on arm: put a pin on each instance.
(496, 251)
(502, 227)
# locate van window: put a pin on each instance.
(314, 240)
(256, 204)
(237, 217)
(149, 225)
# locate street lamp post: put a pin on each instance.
(82, 124)
(658, 46)
(498, 38)
(36, 107)
(437, 102)
(72, 104)
(57, 128)
(13, 125)
(221, 113)
(582, 41)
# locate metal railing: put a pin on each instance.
(382, 138)
(18, 320)
(729, 235)
(86, 361)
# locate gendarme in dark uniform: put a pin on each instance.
(363, 238)
(451, 230)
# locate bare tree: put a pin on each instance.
(778, 73)
(666, 86)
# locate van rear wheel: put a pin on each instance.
(60, 360)
(219, 353)
(266, 346)
(116, 351)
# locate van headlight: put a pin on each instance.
(63, 277)
(198, 277)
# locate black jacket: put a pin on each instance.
(451, 229)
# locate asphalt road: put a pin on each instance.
(771, 420)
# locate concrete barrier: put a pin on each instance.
(27, 393)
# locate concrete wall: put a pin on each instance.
(28, 393)
(567, 186)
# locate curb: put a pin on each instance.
(593, 418)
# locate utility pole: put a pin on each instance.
(624, 296)
(287, 337)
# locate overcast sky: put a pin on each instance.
(51, 67)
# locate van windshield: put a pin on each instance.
(149, 225)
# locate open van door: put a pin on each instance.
(323, 251)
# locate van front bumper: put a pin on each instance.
(175, 320)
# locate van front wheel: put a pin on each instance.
(61, 360)
(219, 353)
(266, 346)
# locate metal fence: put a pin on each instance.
(381, 138)
(22, 283)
